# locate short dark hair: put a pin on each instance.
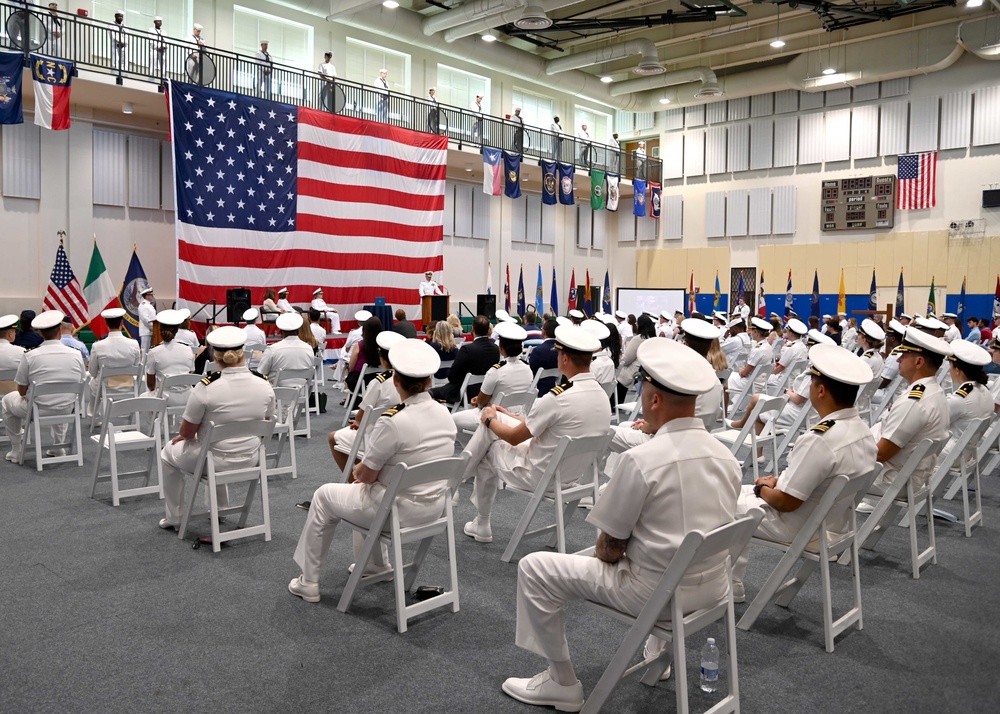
(51, 332)
(844, 395)
(114, 323)
(511, 348)
(933, 358)
(413, 385)
(400, 314)
(645, 327)
(314, 314)
(549, 328)
(580, 360)
(481, 326)
(530, 317)
(973, 320)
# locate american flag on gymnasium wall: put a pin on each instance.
(270, 194)
(917, 186)
(64, 293)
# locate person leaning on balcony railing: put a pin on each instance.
(381, 84)
(53, 25)
(264, 70)
(326, 68)
(158, 48)
(119, 40)
(477, 124)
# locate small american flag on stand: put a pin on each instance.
(917, 188)
(64, 293)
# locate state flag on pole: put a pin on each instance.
(788, 295)
(691, 299)
(606, 301)
(931, 300)
(571, 302)
(718, 292)
(613, 192)
(996, 304)
(99, 292)
(639, 198)
(565, 175)
(64, 293)
(52, 87)
(539, 294)
(588, 306)
(842, 295)
(506, 290)
(492, 172)
(11, 64)
(512, 175)
(961, 308)
(899, 293)
(814, 300)
(654, 200)
(873, 293)
(554, 295)
(521, 306)
(549, 183)
(135, 282)
(597, 190)
(489, 278)
(762, 300)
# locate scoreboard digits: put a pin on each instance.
(861, 203)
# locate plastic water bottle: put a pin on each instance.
(709, 666)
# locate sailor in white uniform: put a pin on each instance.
(169, 358)
(326, 312)
(871, 337)
(971, 400)
(794, 350)
(10, 354)
(736, 343)
(283, 303)
(509, 376)
(760, 353)
(147, 314)
(115, 350)
(289, 353)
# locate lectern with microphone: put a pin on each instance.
(433, 309)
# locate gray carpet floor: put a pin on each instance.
(101, 611)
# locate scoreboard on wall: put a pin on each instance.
(858, 203)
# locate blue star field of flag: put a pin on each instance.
(235, 159)
(909, 166)
(62, 273)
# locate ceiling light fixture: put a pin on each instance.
(606, 79)
(778, 43)
(533, 18)
(468, 168)
(128, 108)
(489, 37)
(829, 71)
(391, 4)
(664, 100)
(974, 3)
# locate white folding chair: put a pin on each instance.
(471, 380)
(888, 508)
(761, 371)
(864, 400)
(7, 380)
(288, 402)
(552, 372)
(355, 395)
(986, 456)
(255, 475)
(563, 496)
(356, 451)
(32, 428)
(786, 377)
(254, 352)
(445, 365)
(130, 437)
(519, 403)
(320, 371)
(787, 434)
(888, 394)
(696, 547)
(815, 544)
(168, 385)
(956, 464)
(387, 529)
(736, 439)
(127, 387)
(308, 377)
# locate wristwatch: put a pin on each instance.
(757, 488)
(487, 422)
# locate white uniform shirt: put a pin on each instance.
(382, 84)
(196, 40)
(734, 346)
(970, 401)
(995, 391)
(380, 392)
(760, 353)
(115, 350)
(875, 361)
(791, 354)
(51, 361)
(603, 368)
(255, 335)
(147, 314)
(10, 355)
(168, 359)
(708, 406)
(849, 340)
(327, 69)
(744, 311)
(952, 333)
(429, 287)
(416, 431)
(285, 306)
(583, 134)
(289, 353)
(319, 334)
(353, 337)
(920, 413)
(556, 128)
(265, 59)
(189, 338)
(625, 330)
(682, 479)
(234, 394)
(509, 377)
(629, 363)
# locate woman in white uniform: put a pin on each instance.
(169, 358)
(760, 353)
(870, 338)
(630, 365)
(602, 367)
(511, 376)
(971, 400)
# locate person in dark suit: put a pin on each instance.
(544, 356)
(474, 358)
(26, 336)
(404, 326)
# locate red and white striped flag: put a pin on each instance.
(270, 194)
(52, 80)
(917, 184)
(762, 300)
(64, 293)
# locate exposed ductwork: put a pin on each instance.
(705, 75)
(466, 12)
(516, 11)
(981, 37)
(649, 64)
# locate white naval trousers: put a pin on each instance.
(770, 528)
(15, 411)
(179, 462)
(494, 459)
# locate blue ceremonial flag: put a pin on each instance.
(899, 295)
(639, 197)
(135, 281)
(11, 64)
(554, 295)
(520, 293)
(718, 292)
(549, 186)
(788, 295)
(739, 288)
(814, 301)
(873, 294)
(961, 309)
(654, 200)
(606, 302)
(565, 175)
(539, 295)
(511, 175)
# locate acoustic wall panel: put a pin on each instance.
(738, 147)
(715, 214)
(762, 143)
(838, 135)
(167, 178)
(626, 225)
(956, 120)
(864, 131)
(144, 172)
(22, 172)
(673, 119)
(784, 210)
(624, 121)
(463, 215)
(838, 97)
(448, 219)
(986, 122)
(645, 228)
(892, 128)
(810, 100)
(694, 116)
(760, 211)
(584, 226)
(481, 207)
(762, 105)
(715, 150)
(533, 219)
(736, 212)
(673, 217)
(786, 141)
(812, 140)
(694, 152)
(600, 229)
(786, 101)
(645, 120)
(866, 92)
(672, 154)
(715, 113)
(110, 168)
(924, 119)
(739, 108)
(896, 87)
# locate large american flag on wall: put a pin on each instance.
(917, 181)
(273, 195)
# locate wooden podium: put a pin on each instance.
(433, 308)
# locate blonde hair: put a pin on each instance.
(230, 358)
(444, 336)
(716, 357)
(454, 321)
(306, 334)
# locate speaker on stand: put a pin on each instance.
(486, 305)
(237, 302)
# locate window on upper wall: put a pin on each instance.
(139, 14)
(459, 88)
(598, 124)
(364, 60)
(536, 110)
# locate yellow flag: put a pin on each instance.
(842, 298)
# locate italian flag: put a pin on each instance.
(100, 292)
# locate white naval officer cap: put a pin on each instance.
(796, 325)
(699, 329)
(840, 365)
(897, 327)
(596, 328)
(969, 353)
(578, 314)
(157, 19)
(362, 316)
(672, 367)
(666, 314)
(872, 330)
(917, 341)
(736, 322)
(503, 316)
(622, 314)
(429, 272)
(288, 321)
(576, 339)
(282, 291)
(387, 338)
(927, 323)
(317, 291)
(47, 320)
(145, 291)
(198, 27)
(264, 42)
(815, 337)
(251, 315)
(113, 312)
(761, 324)
(8, 321)
(185, 312)
(952, 315)
(720, 316)
(607, 319)
(563, 320)
(414, 358)
(227, 337)
(170, 318)
(510, 331)
(826, 317)
(908, 317)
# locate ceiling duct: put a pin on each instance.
(705, 75)
(649, 63)
(507, 17)
(466, 12)
(533, 18)
(981, 37)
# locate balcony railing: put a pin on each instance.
(139, 55)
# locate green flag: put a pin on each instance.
(597, 190)
(931, 302)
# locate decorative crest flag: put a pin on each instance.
(550, 184)
(788, 295)
(996, 304)
(565, 175)
(571, 302)
(492, 172)
(654, 200)
(539, 295)
(597, 190)
(762, 300)
(842, 295)
(52, 79)
(691, 297)
(899, 293)
(99, 292)
(931, 300)
(506, 290)
(917, 181)
(606, 301)
(639, 197)
(274, 194)
(961, 308)
(718, 292)
(489, 278)
(740, 288)
(554, 295)
(64, 293)
(613, 192)
(814, 300)
(588, 304)
(521, 306)
(135, 282)
(11, 64)
(873, 293)
(512, 175)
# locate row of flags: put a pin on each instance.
(502, 177)
(520, 303)
(52, 79)
(85, 305)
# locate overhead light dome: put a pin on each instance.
(709, 89)
(533, 18)
(648, 67)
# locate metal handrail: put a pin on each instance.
(138, 55)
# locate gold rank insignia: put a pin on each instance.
(212, 376)
(383, 376)
(823, 426)
(394, 410)
(498, 365)
(917, 391)
(965, 390)
(561, 388)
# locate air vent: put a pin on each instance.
(709, 89)
(648, 67)
(533, 18)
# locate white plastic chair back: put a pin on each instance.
(368, 419)
(288, 402)
(165, 387)
(359, 389)
(131, 437)
(761, 371)
(308, 377)
(104, 389)
(552, 372)
(471, 380)
(32, 426)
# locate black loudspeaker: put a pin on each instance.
(486, 305)
(237, 302)
(595, 299)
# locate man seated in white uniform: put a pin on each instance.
(871, 337)
(326, 312)
(256, 339)
(51, 361)
(413, 432)
(115, 350)
(10, 354)
(794, 351)
(665, 325)
(509, 376)
(683, 479)
(289, 353)
(890, 366)
(954, 332)
(624, 328)
(147, 314)
(737, 343)
(971, 399)
(577, 316)
(760, 353)
(283, 303)
(428, 286)
(517, 449)
(169, 358)
(840, 444)
(187, 336)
